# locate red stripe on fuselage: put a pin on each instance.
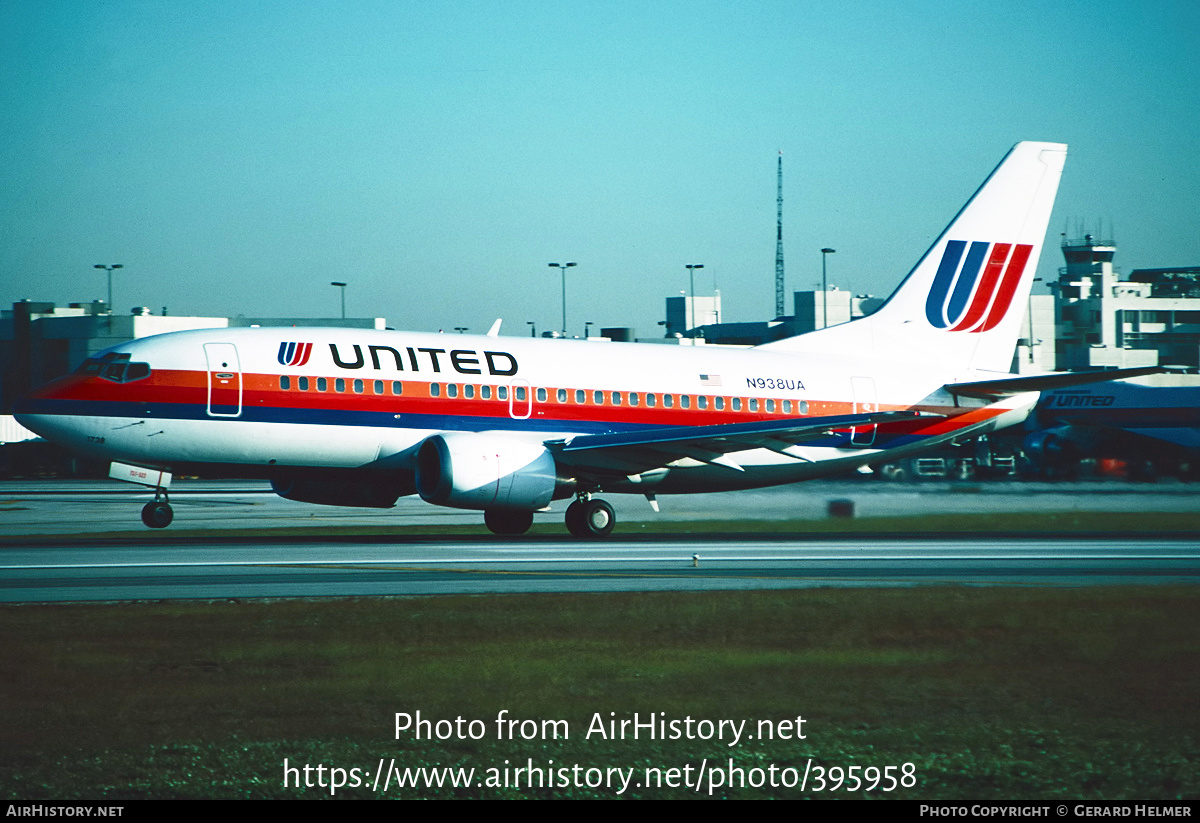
(263, 391)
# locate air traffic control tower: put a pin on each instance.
(1107, 322)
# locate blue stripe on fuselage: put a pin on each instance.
(388, 420)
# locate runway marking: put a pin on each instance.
(662, 576)
(685, 560)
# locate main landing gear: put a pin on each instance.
(587, 519)
(158, 514)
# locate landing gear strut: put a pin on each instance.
(589, 518)
(158, 514)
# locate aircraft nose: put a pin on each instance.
(23, 410)
(32, 412)
(24, 415)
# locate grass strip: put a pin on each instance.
(989, 693)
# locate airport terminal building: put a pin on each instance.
(1103, 322)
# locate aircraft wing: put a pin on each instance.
(639, 451)
(1006, 386)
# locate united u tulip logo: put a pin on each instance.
(974, 294)
(294, 354)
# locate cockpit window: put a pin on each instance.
(115, 367)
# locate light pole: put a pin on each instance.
(587, 329)
(825, 289)
(691, 267)
(532, 328)
(1035, 280)
(109, 269)
(342, 286)
(562, 267)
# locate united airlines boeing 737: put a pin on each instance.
(507, 425)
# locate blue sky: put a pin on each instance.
(236, 157)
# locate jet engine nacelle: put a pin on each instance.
(338, 492)
(484, 471)
(1051, 446)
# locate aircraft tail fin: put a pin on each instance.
(964, 301)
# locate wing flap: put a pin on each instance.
(638, 451)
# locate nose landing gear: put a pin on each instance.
(158, 514)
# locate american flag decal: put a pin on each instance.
(710, 380)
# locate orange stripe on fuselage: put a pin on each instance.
(168, 386)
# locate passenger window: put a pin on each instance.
(339, 385)
(787, 406)
(737, 404)
(802, 407)
(358, 386)
(435, 389)
(469, 392)
(633, 398)
(285, 382)
(754, 404)
(322, 384)
(397, 388)
(598, 398)
(668, 400)
(616, 398)
(485, 392)
(502, 392)
(303, 384)
(378, 387)
(685, 401)
(580, 396)
(650, 400)
(541, 395)
(520, 393)
(719, 403)
(452, 390)
(702, 402)
(562, 395)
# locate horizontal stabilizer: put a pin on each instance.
(991, 389)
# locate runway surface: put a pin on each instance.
(89, 507)
(266, 569)
(62, 543)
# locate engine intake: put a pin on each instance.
(1051, 446)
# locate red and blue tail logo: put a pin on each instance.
(294, 354)
(974, 294)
